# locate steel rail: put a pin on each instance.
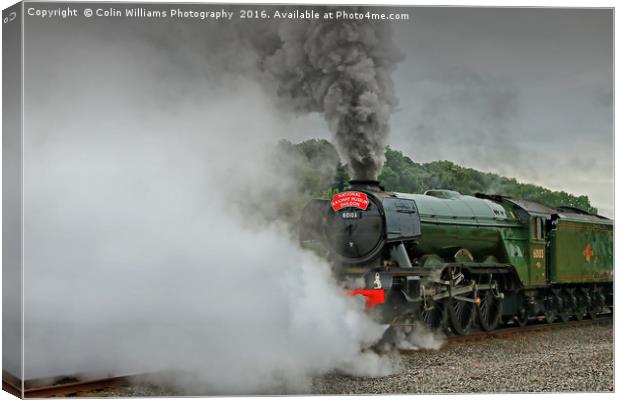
(537, 327)
(71, 388)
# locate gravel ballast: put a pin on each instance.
(564, 359)
(576, 358)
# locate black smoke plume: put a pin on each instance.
(341, 69)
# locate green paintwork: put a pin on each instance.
(461, 209)
(570, 261)
(485, 228)
(446, 240)
(491, 229)
(537, 263)
(515, 250)
(460, 222)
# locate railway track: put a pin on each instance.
(535, 326)
(66, 386)
(74, 386)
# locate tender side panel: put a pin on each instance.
(581, 252)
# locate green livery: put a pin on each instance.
(451, 260)
(581, 251)
(545, 246)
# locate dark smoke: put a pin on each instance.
(341, 69)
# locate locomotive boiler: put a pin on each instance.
(453, 261)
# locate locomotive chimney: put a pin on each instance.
(368, 185)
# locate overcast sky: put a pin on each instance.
(526, 93)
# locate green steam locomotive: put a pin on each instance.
(453, 261)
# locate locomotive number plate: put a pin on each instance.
(350, 215)
(538, 253)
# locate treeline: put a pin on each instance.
(320, 173)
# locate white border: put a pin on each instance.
(504, 3)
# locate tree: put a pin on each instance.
(316, 166)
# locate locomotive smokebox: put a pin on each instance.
(356, 226)
(368, 185)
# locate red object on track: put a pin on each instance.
(373, 297)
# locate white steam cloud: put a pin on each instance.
(140, 250)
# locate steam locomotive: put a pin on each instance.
(452, 261)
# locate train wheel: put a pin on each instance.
(551, 309)
(434, 317)
(592, 314)
(461, 315)
(597, 304)
(522, 317)
(563, 307)
(587, 300)
(489, 311)
(550, 315)
(580, 308)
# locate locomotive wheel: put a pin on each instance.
(522, 317)
(551, 309)
(597, 304)
(579, 305)
(489, 311)
(434, 317)
(563, 307)
(580, 311)
(461, 315)
(587, 300)
(550, 315)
